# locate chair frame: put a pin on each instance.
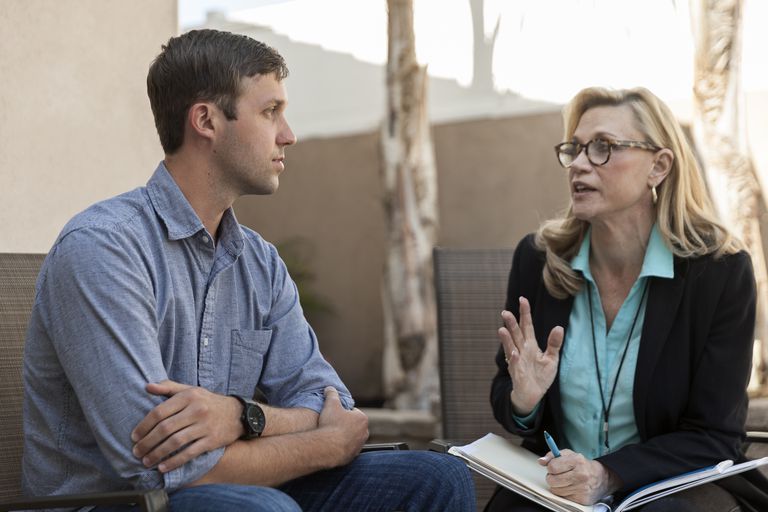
(155, 500)
(470, 290)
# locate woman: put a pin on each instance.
(629, 324)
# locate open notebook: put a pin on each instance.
(517, 469)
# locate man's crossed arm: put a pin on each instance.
(294, 443)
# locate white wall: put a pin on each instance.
(332, 93)
(75, 122)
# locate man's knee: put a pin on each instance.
(444, 468)
(436, 472)
(427, 458)
(445, 480)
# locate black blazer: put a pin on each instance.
(692, 371)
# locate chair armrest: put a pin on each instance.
(440, 445)
(374, 447)
(155, 500)
(757, 437)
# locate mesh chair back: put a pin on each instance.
(471, 289)
(18, 273)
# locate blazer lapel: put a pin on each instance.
(664, 298)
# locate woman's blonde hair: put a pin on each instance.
(684, 214)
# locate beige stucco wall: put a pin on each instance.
(75, 122)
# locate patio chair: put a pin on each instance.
(470, 287)
(18, 273)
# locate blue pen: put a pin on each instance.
(551, 443)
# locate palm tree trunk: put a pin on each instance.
(482, 49)
(720, 137)
(409, 176)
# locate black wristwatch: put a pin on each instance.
(253, 419)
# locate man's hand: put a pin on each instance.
(191, 422)
(349, 429)
(577, 478)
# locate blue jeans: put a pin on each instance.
(386, 481)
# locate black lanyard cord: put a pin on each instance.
(607, 410)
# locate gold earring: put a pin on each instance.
(654, 194)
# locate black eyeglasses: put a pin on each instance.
(598, 150)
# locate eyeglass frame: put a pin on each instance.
(611, 144)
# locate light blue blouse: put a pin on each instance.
(580, 395)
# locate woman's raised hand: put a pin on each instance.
(532, 370)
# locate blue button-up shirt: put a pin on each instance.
(582, 407)
(135, 291)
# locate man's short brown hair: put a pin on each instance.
(204, 65)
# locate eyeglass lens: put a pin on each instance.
(598, 152)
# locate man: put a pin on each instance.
(157, 315)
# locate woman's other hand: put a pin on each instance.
(577, 478)
(532, 370)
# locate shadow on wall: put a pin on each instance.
(298, 254)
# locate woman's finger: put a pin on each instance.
(526, 322)
(514, 330)
(506, 343)
(555, 341)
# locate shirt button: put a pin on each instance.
(205, 239)
(205, 341)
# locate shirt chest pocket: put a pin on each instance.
(248, 351)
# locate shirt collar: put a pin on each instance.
(180, 218)
(658, 260)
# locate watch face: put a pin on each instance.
(255, 417)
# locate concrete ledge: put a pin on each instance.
(757, 416)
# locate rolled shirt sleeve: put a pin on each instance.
(295, 373)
